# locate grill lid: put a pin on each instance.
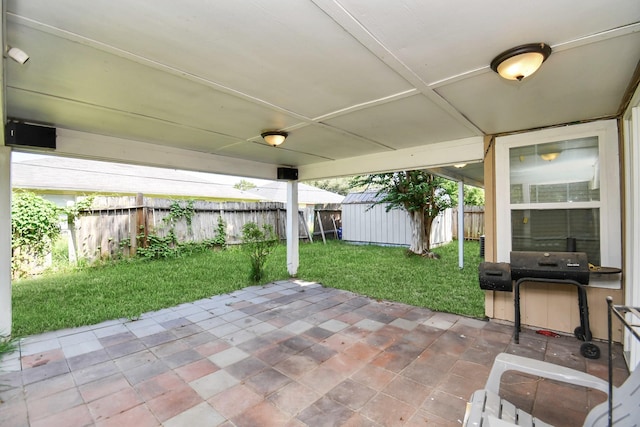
(550, 265)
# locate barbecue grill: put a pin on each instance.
(571, 268)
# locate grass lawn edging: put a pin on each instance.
(126, 289)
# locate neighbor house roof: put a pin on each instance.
(308, 195)
(67, 176)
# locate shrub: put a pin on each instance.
(258, 243)
(160, 247)
(34, 227)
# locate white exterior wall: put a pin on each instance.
(632, 228)
(376, 226)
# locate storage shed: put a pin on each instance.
(367, 223)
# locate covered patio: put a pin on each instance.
(358, 87)
(286, 354)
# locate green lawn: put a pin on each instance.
(129, 288)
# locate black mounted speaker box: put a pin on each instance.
(18, 134)
(289, 174)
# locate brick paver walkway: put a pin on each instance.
(285, 354)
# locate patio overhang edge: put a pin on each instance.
(467, 150)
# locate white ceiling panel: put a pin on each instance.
(574, 84)
(257, 151)
(315, 142)
(433, 37)
(402, 123)
(97, 78)
(312, 65)
(351, 81)
(75, 116)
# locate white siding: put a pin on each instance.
(362, 224)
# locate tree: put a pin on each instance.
(340, 186)
(473, 196)
(418, 192)
(244, 185)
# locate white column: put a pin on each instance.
(293, 256)
(460, 224)
(5, 240)
(632, 230)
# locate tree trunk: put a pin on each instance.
(428, 221)
(420, 232)
(418, 242)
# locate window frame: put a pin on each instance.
(609, 203)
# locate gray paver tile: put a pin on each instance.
(369, 325)
(228, 357)
(200, 415)
(212, 384)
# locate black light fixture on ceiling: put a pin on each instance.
(521, 61)
(274, 137)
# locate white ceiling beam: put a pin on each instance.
(99, 147)
(467, 150)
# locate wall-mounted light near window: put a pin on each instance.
(459, 165)
(520, 62)
(549, 156)
(274, 137)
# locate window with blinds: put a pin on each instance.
(555, 197)
(558, 190)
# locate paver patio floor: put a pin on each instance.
(284, 354)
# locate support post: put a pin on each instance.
(460, 224)
(292, 228)
(142, 228)
(5, 239)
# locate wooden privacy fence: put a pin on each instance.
(473, 222)
(114, 224)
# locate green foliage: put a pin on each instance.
(221, 234)
(258, 243)
(159, 247)
(177, 212)
(7, 346)
(336, 185)
(473, 196)
(418, 192)
(73, 211)
(244, 185)
(34, 228)
(414, 190)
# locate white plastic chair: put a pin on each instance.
(486, 408)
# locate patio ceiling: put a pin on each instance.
(360, 86)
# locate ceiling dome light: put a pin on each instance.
(522, 61)
(549, 157)
(274, 137)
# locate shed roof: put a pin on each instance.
(363, 197)
(68, 176)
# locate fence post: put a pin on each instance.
(141, 221)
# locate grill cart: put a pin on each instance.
(570, 268)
